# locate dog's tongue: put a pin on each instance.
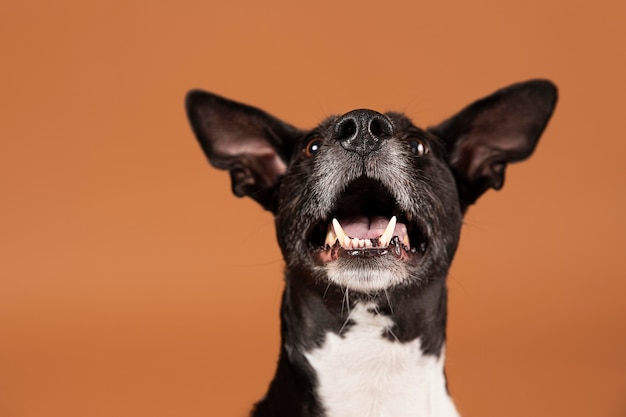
(363, 227)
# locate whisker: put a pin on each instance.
(326, 290)
(346, 301)
(393, 334)
(388, 300)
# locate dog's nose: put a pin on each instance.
(362, 131)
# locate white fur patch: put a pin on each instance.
(366, 375)
(366, 279)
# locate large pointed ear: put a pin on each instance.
(251, 144)
(494, 131)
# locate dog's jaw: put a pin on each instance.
(368, 252)
(367, 276)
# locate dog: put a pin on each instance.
(368, 211)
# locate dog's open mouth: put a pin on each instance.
(367, 222)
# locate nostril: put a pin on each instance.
(345, 129)
(380, 128)
(362, 131)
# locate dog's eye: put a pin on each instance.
(312, 147)
(418, 147)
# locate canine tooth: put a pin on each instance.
(331, 237)
(346, 242)
(388, 233)
(406, 242)
(341, 235)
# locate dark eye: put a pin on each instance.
(418, 147)
(312, 147)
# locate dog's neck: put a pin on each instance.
(349, 354)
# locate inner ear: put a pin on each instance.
(251, 144)
(492, 132)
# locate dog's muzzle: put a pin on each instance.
(366, 219)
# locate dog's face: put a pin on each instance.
(368, 201)
(348, 181)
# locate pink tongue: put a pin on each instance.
(364, 227)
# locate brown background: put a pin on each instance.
(132, 283)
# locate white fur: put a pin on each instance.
(366, 279)
(364, 374)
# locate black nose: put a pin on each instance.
(362, 131)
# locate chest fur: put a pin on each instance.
(364, 373)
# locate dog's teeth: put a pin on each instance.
(406, 242)
(331, 237)
(336, 233)
(388, 233)
(340, 234)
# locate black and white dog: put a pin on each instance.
(368, 211)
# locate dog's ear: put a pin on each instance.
(494, 131)
(251, 144)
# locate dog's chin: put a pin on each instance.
(367, 270)
(366, 274)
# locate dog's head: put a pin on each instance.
(368, 201)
